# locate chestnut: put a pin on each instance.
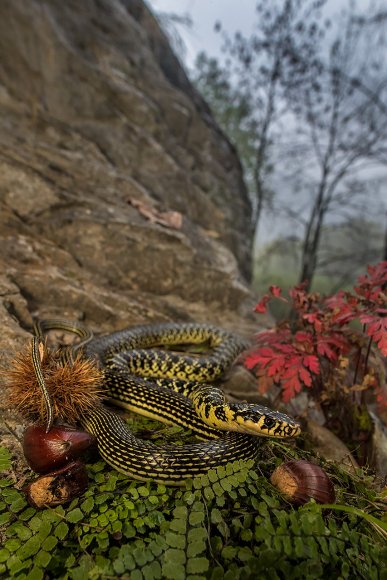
(45, 452)
(301, 481)
(58, 487)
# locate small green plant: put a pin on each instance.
(230, 523)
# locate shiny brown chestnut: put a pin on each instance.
(301, 481)
(46, 452)
(58, 487)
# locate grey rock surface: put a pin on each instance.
(102, 142)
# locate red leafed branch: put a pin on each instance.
(283, 363)
(377, 330)
(288, 371)
(368, 305)
(274, 292)
(373, 284)
(320, 347)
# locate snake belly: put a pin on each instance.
(174, 388)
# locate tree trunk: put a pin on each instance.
(312, 238)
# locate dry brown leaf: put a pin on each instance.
(169, 219)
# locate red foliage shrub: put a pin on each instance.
(331, 344)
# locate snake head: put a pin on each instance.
(264, 422)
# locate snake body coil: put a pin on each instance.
(178, 393)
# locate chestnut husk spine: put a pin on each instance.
(301, 481)
(46, 452)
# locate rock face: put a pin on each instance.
(121, 200)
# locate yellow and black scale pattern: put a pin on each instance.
(136, 374)
(187, 401)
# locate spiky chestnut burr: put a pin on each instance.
(301, 481)
(74, 388)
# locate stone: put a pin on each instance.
(95, 112)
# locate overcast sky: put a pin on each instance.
(234, 15)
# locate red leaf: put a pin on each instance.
(312, 363)
(304, 338)
(378, 332)
(371, 284)
(275, 337)
(287, 394)
(288, 349)
(305, 377)
(291, 387)
(344, 306)
(311, 316)
(299, 297)
(265, 351)
(324, 349)
(276, 291)
(314, 319)
(333, 345)
(276, 366)
(261, 357)
(261, 307)
(367, 318)
(251, 361)
(291, 371)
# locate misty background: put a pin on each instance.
(352, 230)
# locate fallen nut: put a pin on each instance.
(301, 481)
(58, 487)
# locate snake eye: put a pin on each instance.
(269, 422)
